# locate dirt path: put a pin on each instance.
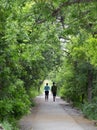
(55, 116)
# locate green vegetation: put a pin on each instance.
(41, 38)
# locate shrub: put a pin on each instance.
(7, 126)
(15, 103)
(90, 110)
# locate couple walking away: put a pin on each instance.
(53, 90)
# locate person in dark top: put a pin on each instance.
(46, 89)
(54, 91)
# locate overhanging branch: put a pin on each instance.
(68, 3)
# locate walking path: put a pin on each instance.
(49, 115)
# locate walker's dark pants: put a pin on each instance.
(46, 95)
(54, 96)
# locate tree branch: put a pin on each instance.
(68, 3)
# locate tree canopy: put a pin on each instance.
(44, 37)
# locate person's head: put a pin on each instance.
(46, 83)
(53, 83)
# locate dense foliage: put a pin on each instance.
(27, 53)
(42, 36)
(78, 73)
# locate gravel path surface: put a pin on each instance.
(59, 115)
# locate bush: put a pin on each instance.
(90, 110)
(7, 126)
(15, 103)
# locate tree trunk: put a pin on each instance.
(90, 83)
